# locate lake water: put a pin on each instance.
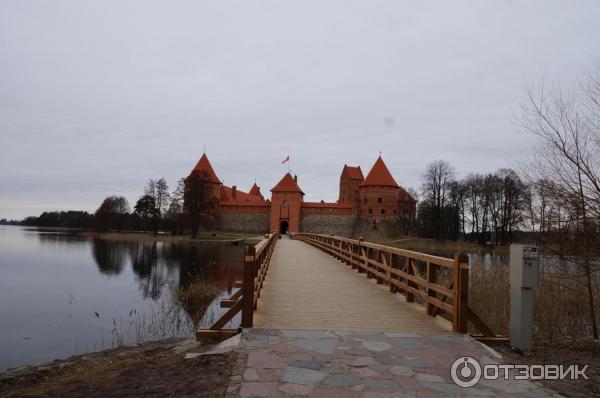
(61, 294)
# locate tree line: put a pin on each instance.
(62, 219)
(191, 206)
(556, 195)
(481, 208)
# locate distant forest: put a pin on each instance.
(62, 219)
(187, 209)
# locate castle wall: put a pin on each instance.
(340, 225)
(382, 229)
(244, 218)
(331, 209)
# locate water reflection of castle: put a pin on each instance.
(158, 265)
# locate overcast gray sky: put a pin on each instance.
(96, 97)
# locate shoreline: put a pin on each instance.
(424, 245)
(154, 368)
(209, 237)
(223, 238)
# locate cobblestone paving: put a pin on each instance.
(291, 363)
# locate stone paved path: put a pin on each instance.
(291, 363)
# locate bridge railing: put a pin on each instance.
(440, 284)
(256, 263)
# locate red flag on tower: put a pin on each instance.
(287, 159)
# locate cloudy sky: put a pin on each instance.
(96, 97)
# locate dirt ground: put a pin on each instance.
(151, 370)
(586, 353)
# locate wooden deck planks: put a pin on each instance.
(306, 288)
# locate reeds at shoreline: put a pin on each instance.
(561, 306)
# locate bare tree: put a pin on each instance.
(112, 213)
(436, 183)
(158, 190)
(175, 213)
(568, 133)
(458, 196)
(473, 192)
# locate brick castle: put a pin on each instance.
(374, 206)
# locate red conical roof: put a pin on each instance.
(287, 184)
(379, 175)
(204, 166)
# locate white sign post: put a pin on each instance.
(524, 274)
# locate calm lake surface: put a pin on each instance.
(61, 294)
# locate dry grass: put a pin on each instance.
(167, 319)
(561, 309)
(435, 247)
(196, 296)
(176, 315)
(489, 295)
(562, 306)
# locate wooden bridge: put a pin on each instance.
(321, 282)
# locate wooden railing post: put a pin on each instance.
(355, 251)
(410, 296)
(360, 255)
(392, 286)
(377, 257)
(248, 287)
(461, 293)
(431, 278)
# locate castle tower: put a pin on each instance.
(379, 193)
(207, 173)
(350, 181)
(286, 202)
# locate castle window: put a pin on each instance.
(378, 200)
(370, 211)
(365, 200)
(382, 211)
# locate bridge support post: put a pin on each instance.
(248, 287)
(461, 293)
